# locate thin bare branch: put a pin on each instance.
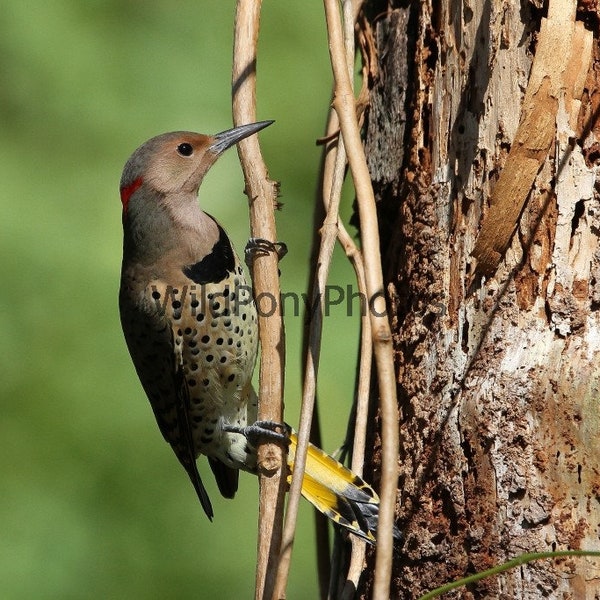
(329, 236)
(324, 562)
(364, 379)
(350, 9)
(344, 105)
(262, 195)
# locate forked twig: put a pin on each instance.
(350, 9)
(333, 169)
(328, 238)
(262, 195)
(333, 179)
(344, 105)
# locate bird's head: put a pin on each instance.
(176, 162)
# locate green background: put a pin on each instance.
(93, 503)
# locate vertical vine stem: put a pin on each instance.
(333, 178)
(350, 11)
(329, 233)
(344, 106)
(333, 169)
(262, 195)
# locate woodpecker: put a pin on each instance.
(190, 325)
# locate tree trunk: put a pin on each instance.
(481, 138)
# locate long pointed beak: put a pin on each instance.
(228, 138)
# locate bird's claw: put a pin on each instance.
(261, 431)
(261, 247)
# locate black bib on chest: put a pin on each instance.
(216, 265)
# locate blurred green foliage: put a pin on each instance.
(92, 501)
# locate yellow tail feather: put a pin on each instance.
(337, 492)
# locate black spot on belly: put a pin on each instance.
(216, 265)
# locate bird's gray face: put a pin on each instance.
(173, 162)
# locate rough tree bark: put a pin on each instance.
(498, 359)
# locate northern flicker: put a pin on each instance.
(191, 328)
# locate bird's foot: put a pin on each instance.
(261, 247)
(261, 431)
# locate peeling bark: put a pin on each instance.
(498, 377)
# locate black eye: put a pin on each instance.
(185, 149)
